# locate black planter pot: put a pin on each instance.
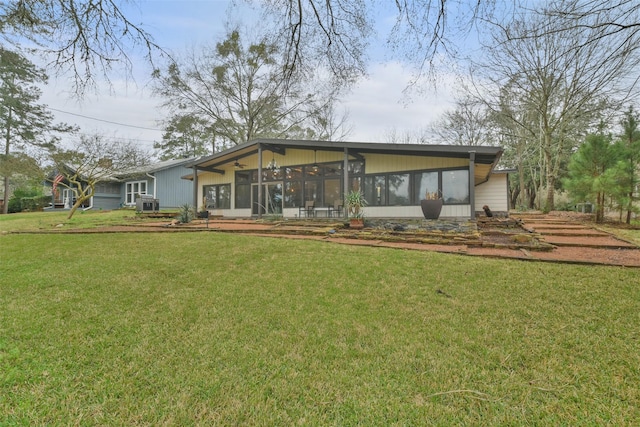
(431, 208)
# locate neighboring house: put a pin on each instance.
(64, 197)
(268, 176)
(159, 181)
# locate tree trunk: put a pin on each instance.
(515, 195)
(521, 183)
(551, 179)
(5, 205)
(599, 207)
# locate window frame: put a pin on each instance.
(218, 197)
(414, 199)
(130, 193)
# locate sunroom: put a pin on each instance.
(280, 177)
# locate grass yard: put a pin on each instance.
(49, 220)
(205, 328)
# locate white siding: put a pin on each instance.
(493, 193)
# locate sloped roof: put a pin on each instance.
(483, 154)
(156, 167)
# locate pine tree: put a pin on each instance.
(25, 122)
(625, 174)
(588, 178)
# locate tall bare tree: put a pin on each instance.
(468, 123)
(241, 91)
(566, 79)
(86, 38)
(338, 32)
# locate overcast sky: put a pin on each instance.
(376, 105)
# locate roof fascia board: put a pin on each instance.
(484, 154)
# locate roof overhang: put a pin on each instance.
(483, 155)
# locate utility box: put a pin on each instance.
(147, 204)
(585, 207)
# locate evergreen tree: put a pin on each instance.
(186, 135)
(588, 178)
(627, 177)
(26, 123)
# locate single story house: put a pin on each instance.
(159, 181)
(281, 177)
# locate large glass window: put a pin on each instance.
(322, 183)
(355, 183)
(375, 190)
(426, 182)
(356, 168)
(292, 194)
(331, 191)
(313, 191)
(133, 189)
(399, 194)
(108, 188)
(455, 186)
(217, 196)
(292, 173)
(243, 196)
(332, 169)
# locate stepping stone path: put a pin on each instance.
(579, 241)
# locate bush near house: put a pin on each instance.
(27, 201)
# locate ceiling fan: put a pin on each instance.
(238, 165)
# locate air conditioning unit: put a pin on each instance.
(146, 203)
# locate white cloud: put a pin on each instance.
(379, 104)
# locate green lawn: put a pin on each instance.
(49, 220)
(207, 328)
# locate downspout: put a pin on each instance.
(90, 205)
(155, 195)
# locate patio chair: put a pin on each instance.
(336, 208)
(308, 210)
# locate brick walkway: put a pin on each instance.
(556, 239)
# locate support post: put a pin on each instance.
(345, 170)
(195, 188)
(472, 186)
(259, 181)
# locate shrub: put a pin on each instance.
(186, 214)
(27, 200)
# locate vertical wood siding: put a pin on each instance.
(172, 191)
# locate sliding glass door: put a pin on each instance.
(271, 199)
